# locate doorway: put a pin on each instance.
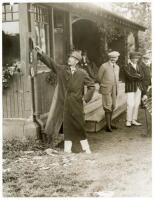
(86, 37)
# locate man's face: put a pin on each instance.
(72, 61)
(113, 59)
(134, 60)
(146, 61)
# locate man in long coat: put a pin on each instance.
(133, 89)
(108, 77)
(71, 81)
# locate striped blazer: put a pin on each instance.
(133, 78)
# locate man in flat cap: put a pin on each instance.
(71, 81)
(108, 77)
(133, 88)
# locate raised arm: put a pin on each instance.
(49, 62)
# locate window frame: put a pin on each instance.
(5, 12)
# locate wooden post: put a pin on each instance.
(51, 30)
(68, 35)
(24, 53)
(136, 41)
(125, 47)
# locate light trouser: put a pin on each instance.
(133, 102)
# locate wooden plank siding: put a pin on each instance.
(13, 98)
(15, 103)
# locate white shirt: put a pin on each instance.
(134, 65)
(73, 69)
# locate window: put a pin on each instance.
(42, 27)
(59, 35)
(10, 13)
(10, 34)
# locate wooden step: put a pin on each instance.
(93, 106)
(97, 122)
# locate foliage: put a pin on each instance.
(140, 13)
(8, 72)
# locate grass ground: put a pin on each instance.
(120, 166)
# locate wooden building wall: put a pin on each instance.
(14, 99)
(17, 100)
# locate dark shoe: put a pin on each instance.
(113, 126)
(108, 129)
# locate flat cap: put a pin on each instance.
(146, 56)
(76, 54)
(113, 54)
(135, 55)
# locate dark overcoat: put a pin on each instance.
(70, 97)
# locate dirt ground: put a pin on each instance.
(120, 166)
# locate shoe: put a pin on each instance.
(108, 129)
(85, 146)
(113, 126)
(68, 146)
(134, 122)
(128, 124)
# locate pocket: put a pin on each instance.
(105, 89)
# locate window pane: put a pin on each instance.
(43, 38)
(3, 17)
(58, 19)
(15, 8)
(15, 16)
(3, 9)
(8, 8)
(37, 35)
(8, 16)
(10, 42)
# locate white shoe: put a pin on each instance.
(68, 146)
(85, 146)
(128, 123)
(134, 122)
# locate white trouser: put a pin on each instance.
(133, 102)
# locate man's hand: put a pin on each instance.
(144, 98)
(148, 89)
(38, 49)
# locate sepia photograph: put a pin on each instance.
(76, 98)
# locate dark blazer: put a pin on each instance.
(133, 78)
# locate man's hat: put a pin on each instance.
(76, 54)
(113, 54)
(146, 56)
(134, 55)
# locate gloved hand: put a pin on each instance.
(38, 49)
